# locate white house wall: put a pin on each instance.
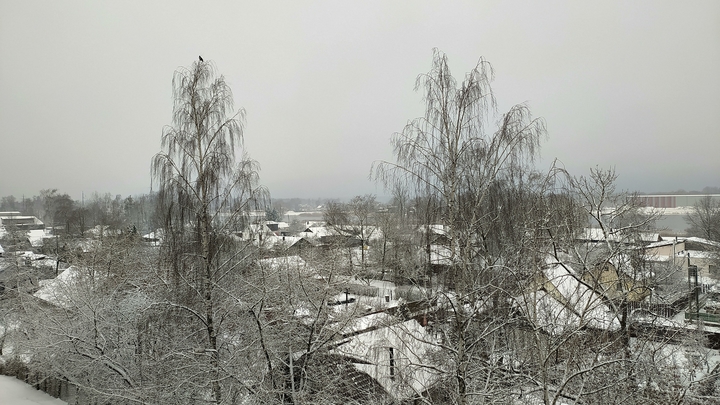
(411, 345)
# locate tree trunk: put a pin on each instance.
(209, 308)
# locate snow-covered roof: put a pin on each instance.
(437, 229)
(703, 241)
(661, 243)
(318, 231)
(156, 234)
(21, 218)
(58, 291)
(31, 255)
(700, 254)
(657, 258)
(272, 241)
(36, 237)
(439, 254)
(687, 363)
(276, 263)
(367, 322)
(596, 234)
(279, 224)
(99, 230)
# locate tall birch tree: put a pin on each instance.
(454, 155)
(204, 191)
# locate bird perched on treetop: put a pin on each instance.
(201, 59)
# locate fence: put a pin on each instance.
(663, 310)
(53, 386)
(703, 316)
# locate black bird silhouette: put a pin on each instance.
(201, 59)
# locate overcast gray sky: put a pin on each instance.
(85, 87)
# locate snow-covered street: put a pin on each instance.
(16, 392)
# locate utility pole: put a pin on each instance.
(694, 287)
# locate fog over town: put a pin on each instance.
(359, 203)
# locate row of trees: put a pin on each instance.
(704, 220)
(71, 217)
(206, 318)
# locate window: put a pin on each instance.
(714, 271)
(392, 362)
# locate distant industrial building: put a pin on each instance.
(673, 200)
(24, 222)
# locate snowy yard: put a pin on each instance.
(16, 392)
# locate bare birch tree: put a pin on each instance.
(704, 219)
(622, 228)
(203, 191)
(454, 156)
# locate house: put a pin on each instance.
(284, 245)
(23, 222)
(329, 378)
(258, 232)
(392, 351)
(278, 228)
(37, 236)
(384, 356)
(611, 283)
(434, 234)
(274, 242)
(705, 254)
(559, 301)
(315, 230)
(300, 246)
(154, 238)
(33, 227)
(666, 248)
(681, 252)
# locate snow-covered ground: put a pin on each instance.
(16, 392)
